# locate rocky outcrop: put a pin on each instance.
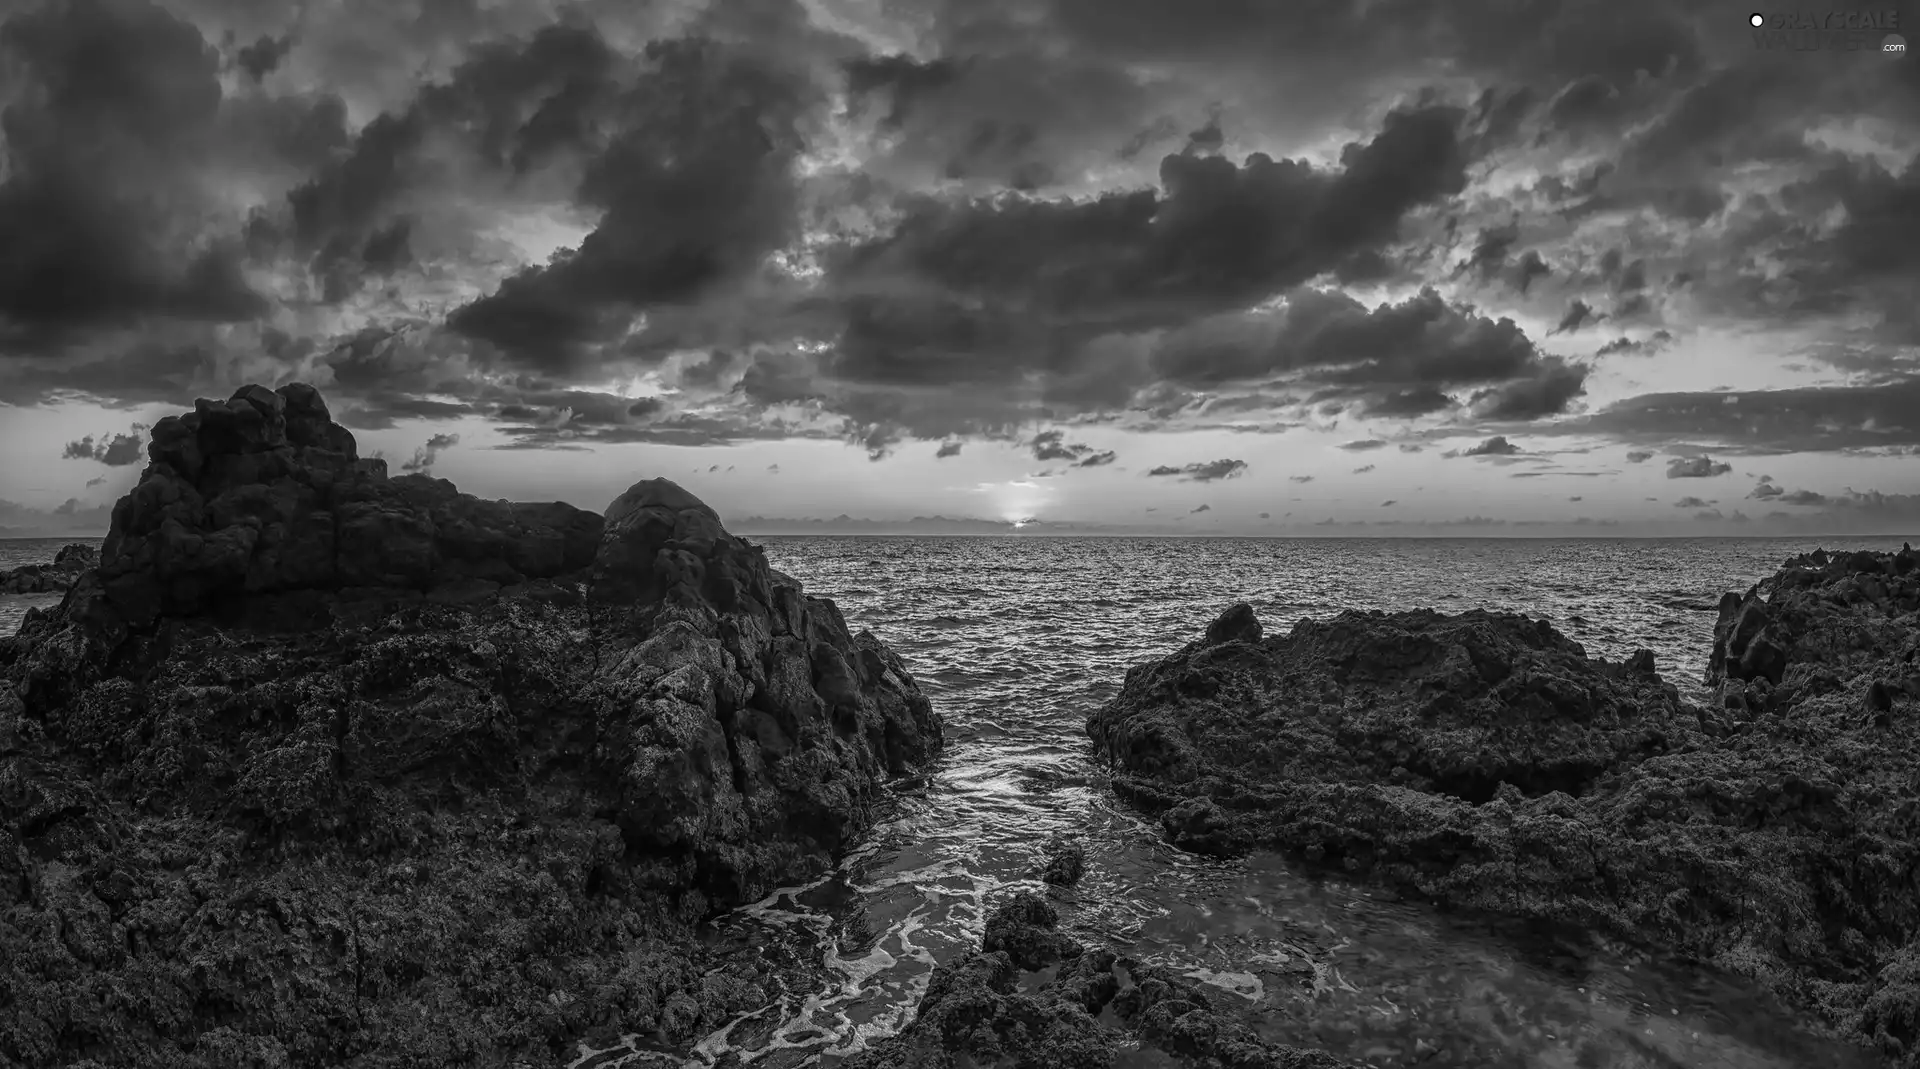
(1483, 761)
(53, 578)
(325, 768)
(1033, 998)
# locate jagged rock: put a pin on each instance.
(263, 494)
(1033, 998)
(72, 559)
(1483, 761)
(1066, 862)
(325, 768)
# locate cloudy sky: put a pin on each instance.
(1384, 265)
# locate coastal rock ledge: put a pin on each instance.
(1484, 761)
(322, 767)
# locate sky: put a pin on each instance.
(1365, 266)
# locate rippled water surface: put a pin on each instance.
(15, 552)
(1017, 639)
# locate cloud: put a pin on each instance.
(1299, 478)
(1363, 446)
(1653, 343)
(1363, 469)
(1700, 467)
(1202, 508)
(424, 457)
(1496, 446)
(1804, 497)
(1690, 503)
(947, 449)
(1050, 445)
(1391, 360)
(1579, 314)
(1205, 473)
(1387, 502)
(113, 450)
(1638, 456)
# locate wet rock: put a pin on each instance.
(1084, 1009)
(326, 768)
(1484, 761)
(53, 578)
(1066, 862)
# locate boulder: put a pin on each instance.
(1484, 761)
(326, 768)
(53, 578)
(263, 494)
(1032, 996)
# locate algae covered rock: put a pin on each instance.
(325, 768)
(1484, 761)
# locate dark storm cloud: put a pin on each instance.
(1051, 445)
(1205, 472)
(1885, 414)
(113, 450)
(947, 449)
(1396, 359)
(1214, 236)
(1700, 467)
(260, 58)
(696, 189)
(1496, 446)
(1579, 314)
(1653, 343)
(93, 164)
(1547, 392)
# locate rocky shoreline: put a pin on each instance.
(54, 577)
(318, 766)
(1483, 761)
(321, 767)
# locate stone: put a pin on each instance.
(1031, 996)
(322, 767)
(1236, 624)
(1483, 761)
(67, 565)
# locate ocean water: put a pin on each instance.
(15, 552)
(1017, 639)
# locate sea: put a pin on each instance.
(1015, 639)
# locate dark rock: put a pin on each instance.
(1483, 761)
(1641, 661)
(265, 494)
(326, 768)
(72, 559)
(1066, 862)
(1084, 1010)
(1236, 624)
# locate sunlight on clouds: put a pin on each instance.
(1016, 499)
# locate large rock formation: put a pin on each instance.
(325, 768)
(1033, 998)
(1484, 761)
(55, 577)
